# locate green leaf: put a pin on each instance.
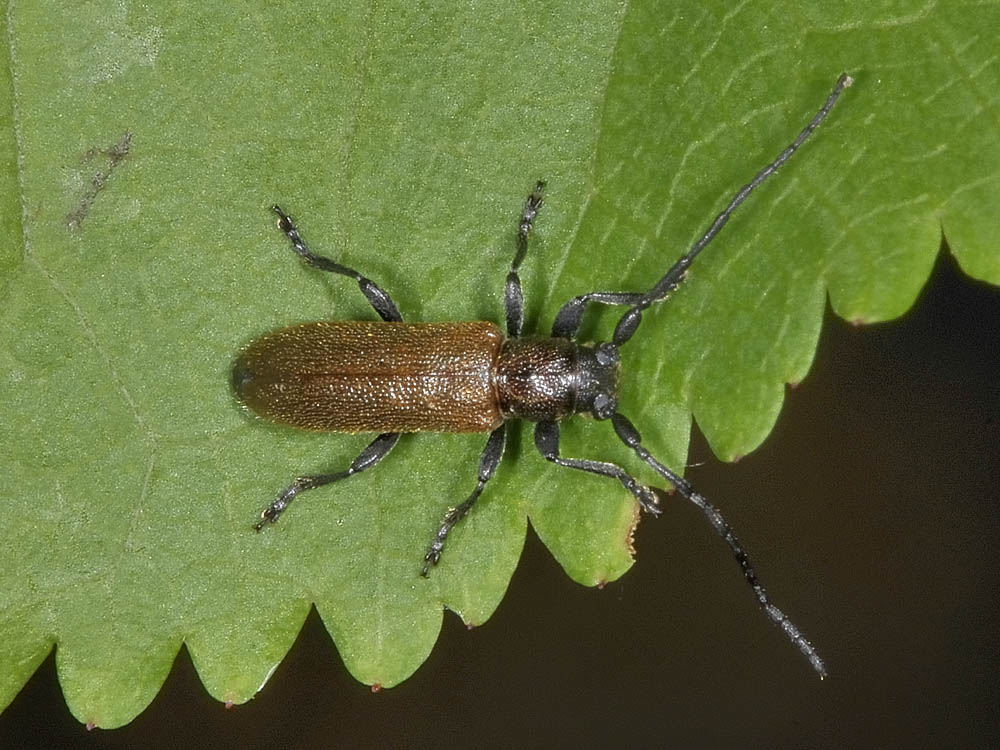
(144, 146)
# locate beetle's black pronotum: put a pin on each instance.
(392, 377)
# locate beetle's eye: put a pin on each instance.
(606, 354)
(604, 406)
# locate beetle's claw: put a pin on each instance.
(651, 498)
(430, 560)
(268, 515)
(271, 512)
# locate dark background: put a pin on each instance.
(871, 513)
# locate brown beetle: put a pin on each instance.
(394, 377)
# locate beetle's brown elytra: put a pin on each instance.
(392, 377)
(435, 377)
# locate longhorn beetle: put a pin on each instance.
(394, 377)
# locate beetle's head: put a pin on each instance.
(597, 380)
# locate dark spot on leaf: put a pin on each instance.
(113, 155)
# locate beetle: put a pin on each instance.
(392, 377)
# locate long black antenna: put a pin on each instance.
(631, 319)
(629, 435)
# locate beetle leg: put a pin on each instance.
(513, 296)
(488, 462)
(547, 442)
(375, 295)
(370, 456)
(631, 437)
(570, 315)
